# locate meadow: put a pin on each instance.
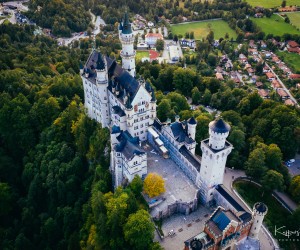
(141, 54)
(275, 25)
(294, 18)
(291, 59)
(202, 28)
(271, 3)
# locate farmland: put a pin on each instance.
(275, 25)
(202, 28)
(272, 3)
(294, 18)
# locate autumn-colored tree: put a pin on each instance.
(154, 185)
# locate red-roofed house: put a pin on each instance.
(270, 76)
(259, 84)
(293, 44)
(283, 94)
(289, 102)
(294, 76)
(275, 84)
(151, 38)
(264, 93)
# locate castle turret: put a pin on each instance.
(102, 83)
(127, 39)
(152, 108)
(192, 124)
(259, 212)
(218, 132)
(214, 156)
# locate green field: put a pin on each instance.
(141, 54)
(291, 59)
(275, 25)
(201, 29)
(294, 18)
(271, 3)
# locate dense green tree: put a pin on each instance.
(295, 188)
(136, 185)
(139, 230)
(272, 180)
(159, 45)
(184, 80)
(255, 165)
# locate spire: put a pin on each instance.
(192, 121)
(126, 27)
(153, 99)
(128, 103)
(100, 62)
(219, 126)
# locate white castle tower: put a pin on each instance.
(102, 83)
(127, 39)
(214, 156)
(259, 212)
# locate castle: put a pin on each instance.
(127, 105)
(116, 99)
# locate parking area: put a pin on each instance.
(294, 167)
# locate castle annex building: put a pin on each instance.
(229, 229)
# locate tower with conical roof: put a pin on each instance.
(127, 39)
(215, 150)
(258, 214)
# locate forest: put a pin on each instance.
(55, 187)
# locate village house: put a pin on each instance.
(264, 93)
(259, 84)
(252, 44)
(289, 102)
(275, 84)
(283, 94)
(187, 43)
(259, 15)
(151, 38)
(219, 76)
(294, 76)
(270, 76)
(293, 47)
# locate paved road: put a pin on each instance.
(283, 86)
(18, 4)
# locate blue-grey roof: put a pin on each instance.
(126, 26)
(180, 132)
(225, 193)
(219, 126)
(91, 65)
(260, 207)
(117, 110)
(100, 63)
(192, 121)
(245, 217)
(221, 220)
(121, 79)
(128, 145)
(190, 157)
(115, 129)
